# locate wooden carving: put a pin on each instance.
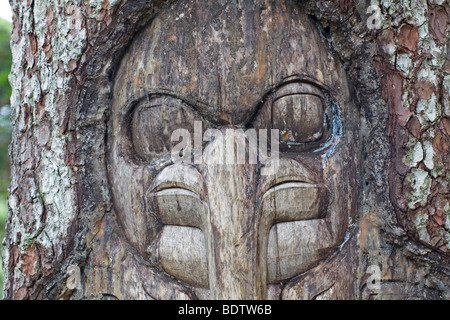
(244, 149)
(231, 229)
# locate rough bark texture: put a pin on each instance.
(61, 212)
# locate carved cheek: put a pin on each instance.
(296, 241)
(182, 251)
(292, 228)
(174, 198)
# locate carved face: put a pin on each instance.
(226, 225)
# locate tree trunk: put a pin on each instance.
(69, 237)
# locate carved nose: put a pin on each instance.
(235, 271)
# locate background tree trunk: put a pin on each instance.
(60, 211)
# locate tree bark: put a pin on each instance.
(61, 212)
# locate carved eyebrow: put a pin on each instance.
(195, 104)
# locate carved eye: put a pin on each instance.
(154, 121)
(300, 113)
(299, 117)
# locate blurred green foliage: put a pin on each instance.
(5, 126)
(5, 61)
